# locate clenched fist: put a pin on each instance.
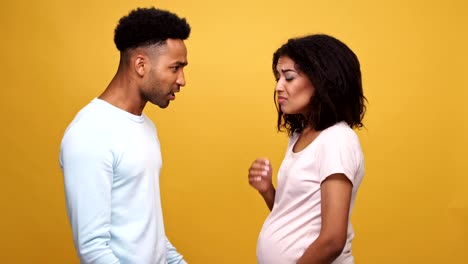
(260, 175)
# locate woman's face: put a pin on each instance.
(293, 88)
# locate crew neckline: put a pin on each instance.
(135, 118)
(291, 150)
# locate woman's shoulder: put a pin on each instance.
(340, 131)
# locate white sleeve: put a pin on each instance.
(172, 256)
(340, 154)
(88, 174)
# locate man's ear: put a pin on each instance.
(140, 64)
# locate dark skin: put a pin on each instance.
(336, 193)
(149, 73)
(293, 88)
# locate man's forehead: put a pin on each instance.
(174, 47)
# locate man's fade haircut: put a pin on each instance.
(149, 26)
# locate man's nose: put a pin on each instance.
(181, 79)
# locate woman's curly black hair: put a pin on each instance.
(334, 71)
(148, 26)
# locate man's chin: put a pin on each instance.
(163, 105)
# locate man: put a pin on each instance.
(110, 154)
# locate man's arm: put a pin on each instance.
(336, 193)
(88, 176)
(172, 256)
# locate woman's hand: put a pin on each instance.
(260, 175)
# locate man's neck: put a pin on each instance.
(122, 93)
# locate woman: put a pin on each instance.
(319, 100)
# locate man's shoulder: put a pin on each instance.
(90, 121)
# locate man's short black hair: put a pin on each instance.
(148, 26)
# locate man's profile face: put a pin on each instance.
(166, 73)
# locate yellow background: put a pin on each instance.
(412, 206)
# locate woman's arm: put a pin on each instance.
(336, 192)
(269, 197)
(260, 179)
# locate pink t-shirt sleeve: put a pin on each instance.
(340, 153)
